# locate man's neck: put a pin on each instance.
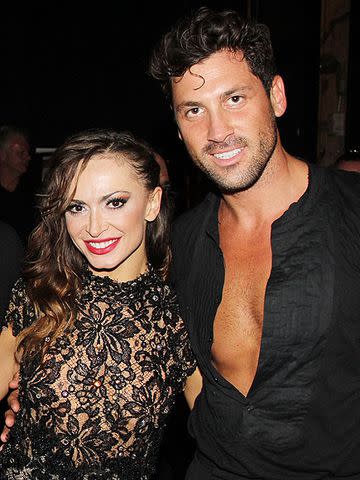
(9, 179)
(283, 182)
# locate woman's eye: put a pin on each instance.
(75, 208)
(116, 202)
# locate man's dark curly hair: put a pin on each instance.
(205, 32)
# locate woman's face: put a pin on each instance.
(106, 218)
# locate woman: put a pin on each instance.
(102, 350)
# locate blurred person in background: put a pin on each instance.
(17, 196)
(349, 161)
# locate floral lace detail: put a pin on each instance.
(97, 407)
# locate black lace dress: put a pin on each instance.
(97, 407)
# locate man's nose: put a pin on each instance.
(220, 127)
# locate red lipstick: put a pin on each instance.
(102, 250)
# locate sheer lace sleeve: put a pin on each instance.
(183, 361)
(20, 313)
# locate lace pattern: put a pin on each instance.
(98, 404)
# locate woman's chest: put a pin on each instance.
(102, 366)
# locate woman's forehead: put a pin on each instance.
(104, 172)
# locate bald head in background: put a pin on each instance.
(164, 174)
(349, 161)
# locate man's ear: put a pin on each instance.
(278, 96)
(153, 205)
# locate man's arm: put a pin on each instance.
(13, 402)
(193, 387)
(8, 363)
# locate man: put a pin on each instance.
(349, 161)
(16, 196)
(267, 272)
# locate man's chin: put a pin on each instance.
(234, 187)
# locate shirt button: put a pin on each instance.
(250, 407)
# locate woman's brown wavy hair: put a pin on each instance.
(53, 264)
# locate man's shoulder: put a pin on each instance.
(9, 235)
(196, 217)
(345, 183)
(7, 229)
(341, 196)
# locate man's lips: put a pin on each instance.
(103, 246)
(227, 158)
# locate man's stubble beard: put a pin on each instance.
(228, 181)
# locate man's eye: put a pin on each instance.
(236, 99)
(193, 112)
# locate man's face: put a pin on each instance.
(226, 120)
(16, 154)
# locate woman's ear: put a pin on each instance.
(154, 204)
(278, 96)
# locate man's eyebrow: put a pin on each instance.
(228, 93)
(189, 104)
(235, 90)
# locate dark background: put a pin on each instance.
(70, 66)
(352, 131)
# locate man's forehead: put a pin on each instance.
(235, 57)
(222, 72)
(217, 62)
(18, 140)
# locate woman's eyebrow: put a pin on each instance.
(122, 192)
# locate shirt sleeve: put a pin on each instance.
(20, 313)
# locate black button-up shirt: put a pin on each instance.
(301, 417)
